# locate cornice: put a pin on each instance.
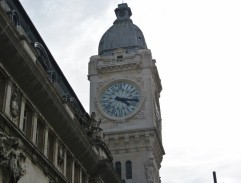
(118, 66)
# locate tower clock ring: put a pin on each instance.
(120, 99)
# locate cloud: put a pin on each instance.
(65, 28)
(197, 48)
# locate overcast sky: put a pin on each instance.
(197, 46)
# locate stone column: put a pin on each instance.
(73, 171)
(80, 176)
(46, 135)
(8, 99)
(34, 129)
(22, 114)
(65, 162)
(56, 146)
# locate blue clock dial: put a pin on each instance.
(120, 99)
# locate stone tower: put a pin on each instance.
(124, 94)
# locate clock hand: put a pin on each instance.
(132, 99)
(122, 100)
(126, 100)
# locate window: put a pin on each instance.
(120, 58)
(69, 167)
(25, 117)
(118, 168)
(40, 136)
(2, 89)
(27, 121)
(51, 140)
(128, 170)
(84, 177)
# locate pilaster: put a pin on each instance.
(46, 134)
(23, 101)
(8, 93)
(35, 123)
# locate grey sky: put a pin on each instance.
(197, 45)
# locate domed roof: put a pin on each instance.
(122, 34)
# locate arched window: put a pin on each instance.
(128, 170)
(118, 168)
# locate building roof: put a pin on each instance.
(122, 34)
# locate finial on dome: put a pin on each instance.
(123, 12)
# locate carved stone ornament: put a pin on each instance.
(12, 159)
(157, 153)
(15, 103)
(150, 170)
(94, 130)
(60, 158)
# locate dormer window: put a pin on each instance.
(122, 13)
(119, 57)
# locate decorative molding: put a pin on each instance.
(117, 66)
(157, 153)
(94, 131)
(32, 153)
(150, 170)
(12, 158)
(128, 143)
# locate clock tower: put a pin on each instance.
(125, 89)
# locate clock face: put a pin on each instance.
(120, 99)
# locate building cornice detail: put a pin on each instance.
(117, 66)
(133, 141)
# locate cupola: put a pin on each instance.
(122, 34)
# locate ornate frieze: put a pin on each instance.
(12, 158)
(129, 143)
(118, 67)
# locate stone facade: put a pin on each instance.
(46, 136)
(134, 140)
(138, 137)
